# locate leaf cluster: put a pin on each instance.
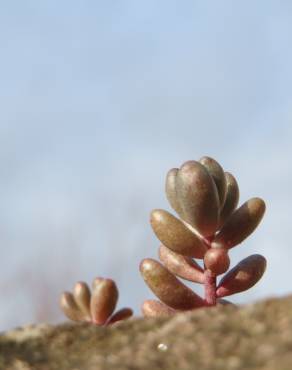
(96, 307)
(208, 225)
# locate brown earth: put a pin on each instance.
(253, 337)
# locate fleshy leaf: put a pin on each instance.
(198, 197)
(82, 297)
(240, 224)
(217, 260)
(70, 308)
(103, 300)
(153, 308)
(97, 281)
(243, 276)
(121, 314)
(232, 198)
(170, 189)
(217, 173)
(175, 235)
(184, 267)
(167, 287)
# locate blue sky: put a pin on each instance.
(99, 100)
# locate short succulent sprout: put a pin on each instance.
(94, 307)
(205, 199)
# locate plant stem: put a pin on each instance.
(210, 288)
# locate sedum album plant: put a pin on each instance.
(208, 225)
(95, 307)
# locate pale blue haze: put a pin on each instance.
(100, 99)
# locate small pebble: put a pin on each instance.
(162, 347)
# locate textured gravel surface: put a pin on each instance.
(253, 337)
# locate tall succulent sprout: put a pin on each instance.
(205, 199)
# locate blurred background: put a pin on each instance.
(98, 101)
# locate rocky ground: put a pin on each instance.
(254, 337)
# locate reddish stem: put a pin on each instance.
(210, 288)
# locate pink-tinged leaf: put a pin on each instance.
(121, 314)
(184, 267)
(152, 308)
(243, 276)
(97, 281)
(240, 224)
(103, 300)
(175, 235)
(167, 287)
(70, 308)
(170, 189)
(217, 173)
(217, 260)
(232, 198)
(198, 197)
(82, 297)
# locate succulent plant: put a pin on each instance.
(209, 225)
(95, 307)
